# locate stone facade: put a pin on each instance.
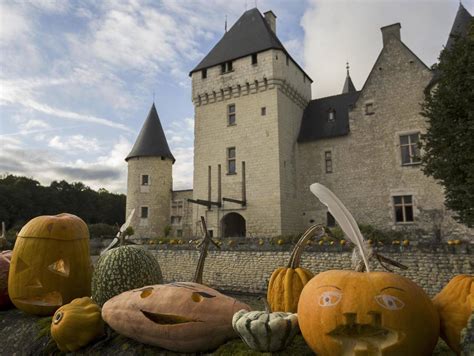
(155, 196)
(181, 213)
(431, 266)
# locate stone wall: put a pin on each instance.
(431, 266)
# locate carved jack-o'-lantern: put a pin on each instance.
(50, 264)
(181, 316)
(361, 313)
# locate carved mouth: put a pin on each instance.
(51, 299)
(363, 337)
(168, 319)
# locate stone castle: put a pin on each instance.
(260, 141)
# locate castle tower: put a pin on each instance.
(150, 181)
(249, 95)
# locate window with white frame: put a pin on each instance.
(231, 160)
(403, 208)
(409, 149)
(328, 161)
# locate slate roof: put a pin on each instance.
(250, 34)
(460, 28)
(315, 124)
(348, 85)
(151, 140)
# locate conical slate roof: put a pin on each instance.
(151, 140)
(460, 25)
(250, 34)
(348, 85)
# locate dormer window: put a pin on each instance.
(331, 115)
(254, 59)
(226, 67)
(204, 74)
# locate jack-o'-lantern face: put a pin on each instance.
(50, 264)
(181, 316)
(359, 313)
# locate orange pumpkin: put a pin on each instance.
(181, 316)
(286, 283)
(455, 304)
(50, 264)
(367, 313)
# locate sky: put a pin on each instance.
(78, 77)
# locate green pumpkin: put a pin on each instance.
(122, 269)
(265, 331)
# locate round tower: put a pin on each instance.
(150, 179)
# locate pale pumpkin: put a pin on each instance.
(50, 264)
(286, 283)
(369, 313)
(455, 304)
(181, 316)
(265, 331)
(76, 324)
(5, 257)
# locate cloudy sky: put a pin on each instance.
(77, 77)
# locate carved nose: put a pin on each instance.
(351, 318)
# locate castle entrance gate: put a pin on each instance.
(233, 225)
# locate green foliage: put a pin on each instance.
(167, 230)
(102, 230)
(22, 199)
(449, 142)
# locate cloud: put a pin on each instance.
(35, 124)
(343, 30)
(74, 143)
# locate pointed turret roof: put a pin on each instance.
(348, 85)
(151, 140)
(250, 34)
(460, 25)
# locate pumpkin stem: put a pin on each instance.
(203, 254)
(295, 256)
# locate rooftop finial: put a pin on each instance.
(347, 67)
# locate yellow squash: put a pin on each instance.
(77, 324)
(455, 304)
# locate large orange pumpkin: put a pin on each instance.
(455, 304)
(286, 283)
(50, 264)
(181, 316)
(361, 313)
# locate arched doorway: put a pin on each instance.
(233, 225)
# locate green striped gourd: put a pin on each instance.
(265, 331)
(122, 269)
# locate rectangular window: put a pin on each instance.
(328, 160)
(179, 233)
(231, 114)
(369, 109)
(263, 111)
(254, 59)
(287, 60)
(204, 73)
(226, 67)
(177, 208)
(231, 160)
(403, 206)
(211, 233)
(409, 149)
(176, 220)
(145, 180)
(332, 115)
(144, 212)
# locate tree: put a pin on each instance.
(449, 142)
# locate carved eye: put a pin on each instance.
(330, 298)
(389, 302)
(146, 292)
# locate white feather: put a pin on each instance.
(343, 217)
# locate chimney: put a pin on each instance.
(270, 17)
(390, 30)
